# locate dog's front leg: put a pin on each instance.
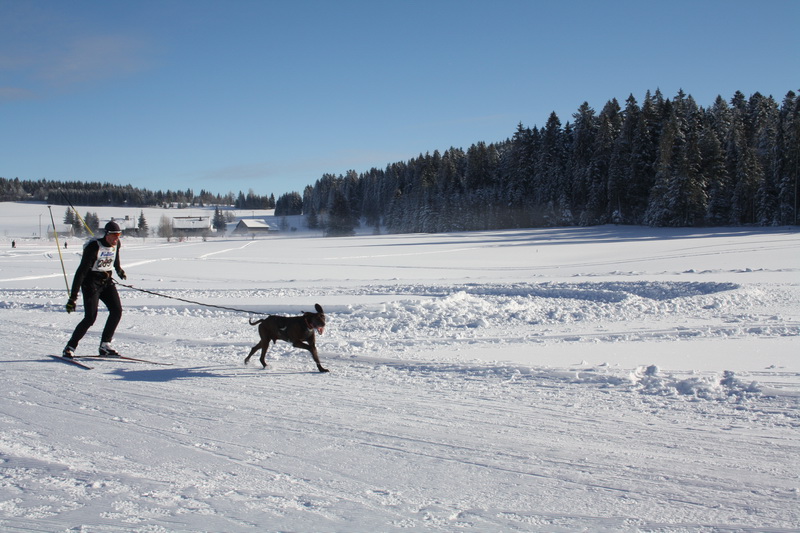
(313, 349)
(264, 353)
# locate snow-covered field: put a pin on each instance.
(578, 379)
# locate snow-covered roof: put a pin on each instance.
(191, 222)
(251, 223)
(63, 228)
(124, 223)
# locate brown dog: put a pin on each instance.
(299, 330)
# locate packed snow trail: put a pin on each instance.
(377, 445)
(394, 440)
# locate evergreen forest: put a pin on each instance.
(661, 162)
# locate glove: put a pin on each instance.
(70, 305)
(121, 274)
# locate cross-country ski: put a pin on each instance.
(71, 361)
(122, 358)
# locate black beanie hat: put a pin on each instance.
(113, 227)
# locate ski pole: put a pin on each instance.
(55, 233)
(85, 225)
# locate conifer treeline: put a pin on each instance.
(666, 162)
(98, 194)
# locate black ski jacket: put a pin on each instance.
(88, 269)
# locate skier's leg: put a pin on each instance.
(110, 297)
(90, 302)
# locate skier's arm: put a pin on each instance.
(88, 259)
(117, 266)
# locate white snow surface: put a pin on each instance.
(569, 379)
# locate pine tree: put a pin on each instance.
(788, 146)
(340, 222)
(312, 221)
(659, 206)
(621, 168)
(218, 222)
(92, 222)
(715, 169)
(743, 166)
(554, 186)
(580, 167)
(144, 229)
(691, 190)
(289, 204)
(478, 173)
(766, 124)
(715, 175)
(73, 220)
(608, 127)
(521, 170)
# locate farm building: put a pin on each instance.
(191, 225)
(128, 225)
(249, 226)
(63, 230)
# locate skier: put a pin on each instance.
(93, 278)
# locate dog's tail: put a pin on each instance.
(256, 322)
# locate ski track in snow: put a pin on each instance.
(660, 400)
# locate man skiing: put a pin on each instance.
(93, 279)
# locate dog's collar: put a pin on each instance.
(312, 328)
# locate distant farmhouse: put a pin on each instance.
(64, 230)
(128, 225)
(191, 225)
(251, 226)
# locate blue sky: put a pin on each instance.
(229, 96)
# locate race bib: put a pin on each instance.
(105, 258)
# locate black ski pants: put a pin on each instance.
(96, 290)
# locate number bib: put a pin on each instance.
(105, 258)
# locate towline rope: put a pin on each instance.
(187, 301)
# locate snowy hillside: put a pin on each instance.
(572, 379)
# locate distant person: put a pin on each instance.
(93, 279)
(13, 244)
(65, 245)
